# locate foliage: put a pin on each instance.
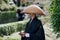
(28, 3)
(4, 8)
(55, 15)
(7, 16)
(11, 28)
(6, 30)
(6, 1)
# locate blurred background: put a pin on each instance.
(11, 23)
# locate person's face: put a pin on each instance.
(26, 16)
(29, 15)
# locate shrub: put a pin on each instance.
(10, 28)
(13, 8)
(6, 1)
(28, 3)
(21, 27)
(55, 15)
(7, 16)
(6, 30)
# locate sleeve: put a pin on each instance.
(27, 35)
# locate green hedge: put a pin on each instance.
(55, 16)
(4, 8)
(7, 29)
(7, 16)
(6, 1)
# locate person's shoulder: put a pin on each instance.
(39, 21)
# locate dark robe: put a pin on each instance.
(35, 29)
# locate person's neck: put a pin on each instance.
(32, 17)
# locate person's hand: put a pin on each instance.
(22, 33)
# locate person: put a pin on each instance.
(34, 29)
(19, 15)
